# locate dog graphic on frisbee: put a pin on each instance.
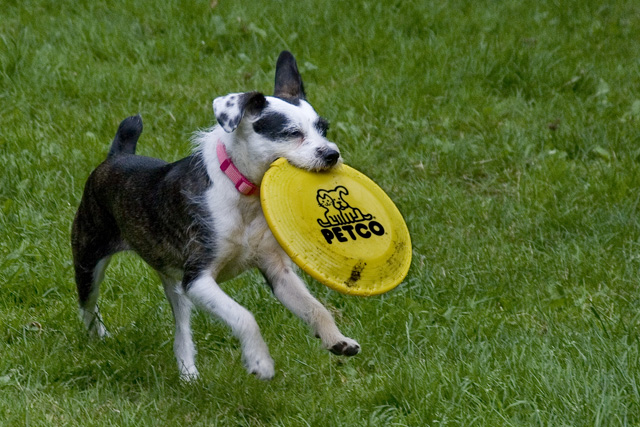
(337, 210)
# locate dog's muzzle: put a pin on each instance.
(329, 157)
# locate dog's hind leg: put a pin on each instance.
(183, 342)
(88, 279)
(205, 293)
(94, 239)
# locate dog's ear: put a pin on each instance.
(230, 109)
(289, 84)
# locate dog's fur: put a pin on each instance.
(187, 220)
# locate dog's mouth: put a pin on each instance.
(326, 159)
(318, 164)
(324, 166)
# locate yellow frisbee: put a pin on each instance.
(338, 226)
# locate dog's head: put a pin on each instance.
(282, 125)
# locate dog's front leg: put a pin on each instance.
(293, 294)
(205, 293)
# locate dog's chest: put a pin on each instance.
(242, 235)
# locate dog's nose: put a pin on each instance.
(331, 157)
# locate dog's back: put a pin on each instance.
(123, 194)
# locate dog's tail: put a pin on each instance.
(127, 136)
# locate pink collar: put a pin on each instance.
(242, 184)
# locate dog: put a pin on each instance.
(199, 222)
(338, 211)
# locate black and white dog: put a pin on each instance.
(198, 221)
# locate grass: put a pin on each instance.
(506, 132)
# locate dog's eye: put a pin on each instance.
(294, 133)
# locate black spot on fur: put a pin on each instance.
(223, 118)
(272, 126)
(253, 102)
(322, 125)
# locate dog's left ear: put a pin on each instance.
(289, 84)
(230, 109)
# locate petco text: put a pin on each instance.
(347, 232)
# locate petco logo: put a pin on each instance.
(342, 221)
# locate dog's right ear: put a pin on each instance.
(230, 109)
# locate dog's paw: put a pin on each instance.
(262, 367)
(189, 375)
(97, 330)
(94, 324)
(101, 332)
(346, 347)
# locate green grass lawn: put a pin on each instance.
(508, 134)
